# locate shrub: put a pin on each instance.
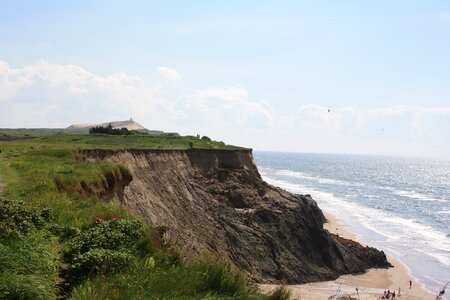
(107, 234)
(98, 261)
(206, 139)
(109, 246)
(16, 220)
(109, 130)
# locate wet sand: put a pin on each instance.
(371, 284)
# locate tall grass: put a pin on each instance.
(28, 268)
(201, 280)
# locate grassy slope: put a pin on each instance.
(50, 239)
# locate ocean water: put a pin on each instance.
(397, 204)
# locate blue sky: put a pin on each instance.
(256, 73)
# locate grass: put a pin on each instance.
(208, 279)
(64, 243)
(28, 267)
(136, 140)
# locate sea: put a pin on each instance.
(400, 205)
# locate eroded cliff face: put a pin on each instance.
(215, 202)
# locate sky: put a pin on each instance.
(366, 77)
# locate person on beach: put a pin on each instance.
(399, 292)
(393, 295)
(410, 284)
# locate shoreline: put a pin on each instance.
(371, 284)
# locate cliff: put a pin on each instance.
(215, 202)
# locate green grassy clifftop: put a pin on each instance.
(136, 140)
(60, 238)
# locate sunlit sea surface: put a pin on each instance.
(397, 204)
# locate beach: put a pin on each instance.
(371, 284)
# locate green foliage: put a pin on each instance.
(150, 262)
(182, 282)
(98, 261)
(123, 234)
(167, 259)
(32, 175)
(132, 141)
(16, 220)
(109, 130)
(28, 267)
(108, 246)
(24, 134)
(219, 276)
(16, 286)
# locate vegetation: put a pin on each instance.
(135, 140)
(109, 130)
(57, 242)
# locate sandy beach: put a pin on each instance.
(371, 284)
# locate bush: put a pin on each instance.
(99, 261)
(16, 220)
(107, 234)
(109, 130)
(106, 247)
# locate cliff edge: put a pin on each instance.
(215, 202)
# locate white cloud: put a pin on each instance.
(77, 95)
(169, 73)
(228, 106)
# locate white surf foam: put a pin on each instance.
(415, 195)
(300, 175)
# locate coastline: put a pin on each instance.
(371, 284)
